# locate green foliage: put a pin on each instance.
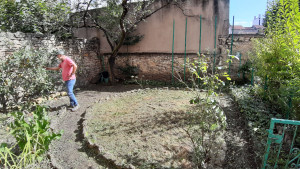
(209, 79)
(34, 16)
(256, 114)
(271, 14)
(245, 70)
(278, 58)
(23, 77)
(33, 137)
(132, 39)
(128, 71)
(208, 120)
(246, 67)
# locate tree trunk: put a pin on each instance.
(112, 58)
(111, 62)
(3, 102)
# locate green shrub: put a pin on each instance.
(23, 77)
(256, 113)
(33, 136)
(35, 16)
(277, 58)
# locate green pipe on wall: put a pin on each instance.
(173, 52)
(185, 48)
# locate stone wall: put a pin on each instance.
(243, 44)
(156, 66)
(152, 66)
(77, 49)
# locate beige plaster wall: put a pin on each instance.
(158, 29)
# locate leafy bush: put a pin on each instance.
(277, 57)
(33, 139)
(34, 16)
(245, 69)
(129, 71)
(23, 77)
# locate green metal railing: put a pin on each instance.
(173, 52)
(281, 151)
(185, 48)
(231, 45)
(215, 46)
(200, 40)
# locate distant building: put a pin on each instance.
(258, 20)
(239, 29)
(257, 27)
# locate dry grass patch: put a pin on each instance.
(143, 129)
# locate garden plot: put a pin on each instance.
(145, 128)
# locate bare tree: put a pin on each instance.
(117, 19)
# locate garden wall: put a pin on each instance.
(158, 66)
(243, 44)
(157, 30)
(152, 66)
(75, 48)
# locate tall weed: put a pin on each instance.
(207, 120)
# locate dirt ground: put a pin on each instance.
(74, 151)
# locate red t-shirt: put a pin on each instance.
(67, 69)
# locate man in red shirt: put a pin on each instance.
(69, 68)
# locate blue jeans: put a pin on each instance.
(70, 85)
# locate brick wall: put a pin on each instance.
(152, 66)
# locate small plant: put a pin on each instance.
(141, 82)
(207, 120)
(245, 69)
(129, 71)
(33, 138)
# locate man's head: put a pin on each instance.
(60, 54)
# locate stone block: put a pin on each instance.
(19, 35)
(9, 35)
(242, 39)
(2, 34)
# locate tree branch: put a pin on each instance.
(147, 16)
(105, 33)
(123, 30)
(85, 13)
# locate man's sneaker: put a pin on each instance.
(75, 108)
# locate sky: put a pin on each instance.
(245, 10)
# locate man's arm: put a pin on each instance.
(52, 68)
(74, 69)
